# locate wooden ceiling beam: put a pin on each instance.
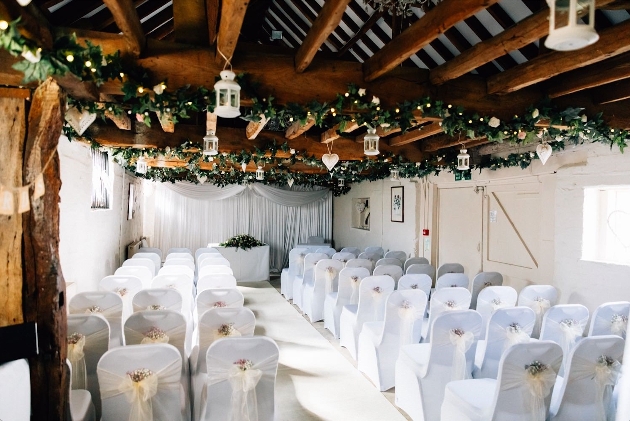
(212, 16)
(232, 15)
(611, 70)
(325, 23)
(32, 26)
(191, 22)
(366, 27)
(126, 18)
(232, 140)
(613, 92)
(612, 41)
(414, 135)
(518, 36)
(434, 23)
(444, 142)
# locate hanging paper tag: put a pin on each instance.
(40, 188)
(6, 202)
(24, 204)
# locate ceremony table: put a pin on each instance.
(248, 265)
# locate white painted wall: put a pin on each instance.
(92, 242)
(383, 232)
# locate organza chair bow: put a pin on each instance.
(604, 372)
(538, 379)
(409, 314)
(462, 342)
(76, 355)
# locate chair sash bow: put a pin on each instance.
(604, 373)
(462, 342)
(139, 394)
(76, 355)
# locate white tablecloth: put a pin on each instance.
(248, 265)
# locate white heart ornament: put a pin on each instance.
(330, 160)
(290, 182)
(79, 121)
(543, 151)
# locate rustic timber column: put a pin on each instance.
(13, 129)
(44, 289)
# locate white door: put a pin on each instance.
(460, 228)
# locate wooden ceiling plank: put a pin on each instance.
(71, 12)
(20, 93)
(500, 15)
(301, 25)
(444, 142)
(191, 22)
(127, 20)
(163, 30)
(505, 61)
(212, 16)
(295, 41)
(333, 134)
(418, 35)
(612, 42)
(518, 36)
(414, 135)
(232, 15)
(158, 20)
(338, 33)
(613, 92)
(327, 20)
(611, 70)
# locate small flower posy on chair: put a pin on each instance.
(244, 364)
(139, 374)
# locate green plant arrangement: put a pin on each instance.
(242, 241)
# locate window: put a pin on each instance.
(100, 180)
(606, 233)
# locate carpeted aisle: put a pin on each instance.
(315, 382)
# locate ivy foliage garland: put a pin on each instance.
(242, 241)
(90, 64)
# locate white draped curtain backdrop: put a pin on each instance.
(189, 215)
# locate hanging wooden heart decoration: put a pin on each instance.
(290, 181)
(543, 151)
(330, 160)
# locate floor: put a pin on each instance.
(317, 379)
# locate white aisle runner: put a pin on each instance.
(315, 382)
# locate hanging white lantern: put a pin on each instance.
(210, 143)
(260, 173)
(567, 32)
(228, 96)
(370, 142)
(394, 174)
(141, 165)
(341, 182)
(463, 160)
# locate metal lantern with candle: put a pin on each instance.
(260, 173)
(370, 142)
(228, 95)
(567, 32)
(210, 143)
(463, 160)
(141, 165)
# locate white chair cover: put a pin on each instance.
(178, 250)
(481, 281)
(586, 390)
(505, 327)
(88, 340)
(452, 280)
(324, 281)
(449, 268)
(310, 260)
(205, 250)
(540, 298)
(213, 260)
(564, 324)
(142, 272)
(158, 396)
(181, 283)
(177, 270)
(15, 391)
(187, 256)
(215, 281)
(354, 250)
(421, 269)
(423, 370)
(296, 268)
(158, 299)
(344, 256)
(397, 254)
(143, 262)
(380, 342)
(348, 293)
(329, 251)
(360, 263)
(415, 281)
(219, 298)
(372, 257)
(394, 271)
(610, 319)
(389, 261)
(241, 380)
(415, 260)
(151, 250)
(154, 257)
(180, 262)
(520, 393)
(445, 299)
(80, 401)
(493, 298)
(215, 270)
(126, 287)
(373, 293)
(106, 303)
(375, 250)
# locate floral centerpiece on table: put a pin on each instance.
(242, 241)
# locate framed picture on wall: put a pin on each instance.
(398, 204)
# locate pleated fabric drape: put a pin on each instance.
(192, 216)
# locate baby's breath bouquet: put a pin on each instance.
(242, 241)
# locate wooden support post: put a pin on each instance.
(13, 127)
(44, 300)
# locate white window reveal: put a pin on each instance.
(606, 233)
(101, 182)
